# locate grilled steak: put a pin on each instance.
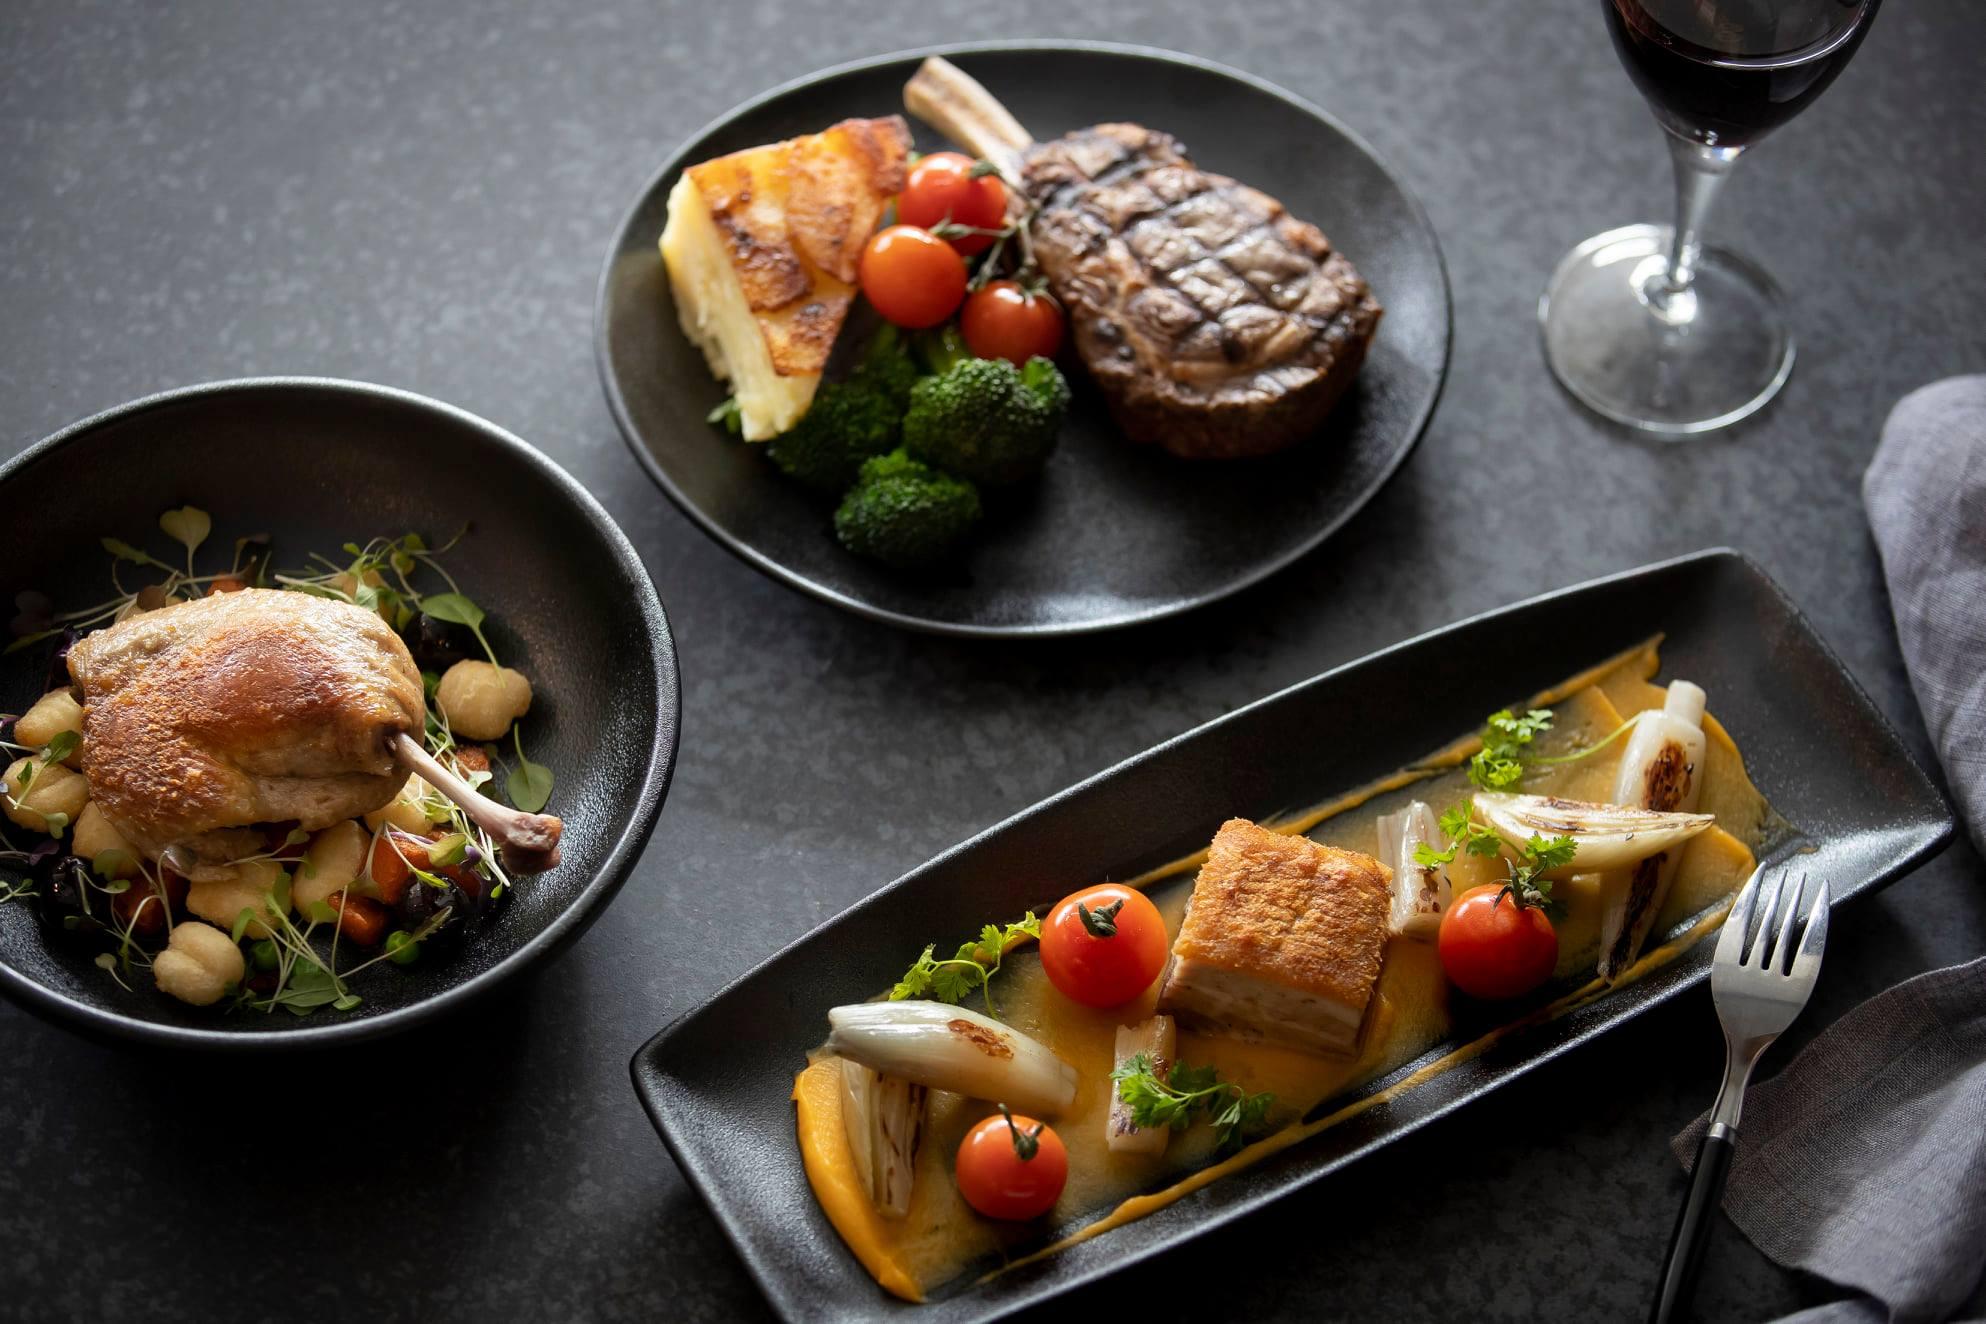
(1217, 324)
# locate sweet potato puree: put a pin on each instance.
(1409, 1024)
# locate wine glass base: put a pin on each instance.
(1670, 365)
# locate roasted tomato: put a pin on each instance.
(1012, 1167)
(943, 187)
(1005, 320)
(914, 278)
(1494, 947)
(1103, 946)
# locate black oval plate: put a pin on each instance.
(718, 1082)
(315, 463)
(1115, 533)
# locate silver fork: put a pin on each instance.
(1759, 982)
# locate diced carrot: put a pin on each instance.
(392, 854)
(472, 758)
(143, 901)
(226, 584)
(360, 918)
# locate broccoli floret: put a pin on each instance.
(888, 367)
(847, 423)
(986, 420)
(905, 513)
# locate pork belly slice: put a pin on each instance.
(1282, 941)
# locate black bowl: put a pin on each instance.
(315, 464)
(1113, 534)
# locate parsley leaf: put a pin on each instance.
(972, 968)
(1506, 738)
(1464, 834)
(1527, 885)
(1187, 1095)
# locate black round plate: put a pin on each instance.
(1114, 533)
(316, 464)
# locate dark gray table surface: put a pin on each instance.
(421, 194)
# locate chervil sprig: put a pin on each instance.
(973, 967)
(1507, 738)
(1187, 1095)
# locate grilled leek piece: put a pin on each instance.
(1158, 1039)
(1604, 836)
(884, 1118)
(1421, 892)
(950, 1048)
(1661, 769)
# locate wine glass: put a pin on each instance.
(1647, 324)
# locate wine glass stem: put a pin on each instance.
(1700, 174)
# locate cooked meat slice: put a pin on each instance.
(1216, 324)
(262, 706)
(1282, 941)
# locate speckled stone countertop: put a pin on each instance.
(421, 194)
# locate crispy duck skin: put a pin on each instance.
(262, 706)
(1217, 325)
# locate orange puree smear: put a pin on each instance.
(942, 1239)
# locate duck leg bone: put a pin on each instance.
(529, 842)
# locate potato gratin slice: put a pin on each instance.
(763, 247)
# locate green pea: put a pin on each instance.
(401, 948)
(263, 952)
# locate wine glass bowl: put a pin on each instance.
(1645, 324)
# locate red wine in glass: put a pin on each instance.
(1646, 324)
(1725, 72)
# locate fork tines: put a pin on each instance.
(1769, 947)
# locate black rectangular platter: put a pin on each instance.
(717, 1081)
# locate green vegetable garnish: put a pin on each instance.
(986, 420)
(906, 514)
(972, 968)
(849, 422)
(1527, 886)
(1187, 1095)
(1499, 764)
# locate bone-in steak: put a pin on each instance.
(1216, 324)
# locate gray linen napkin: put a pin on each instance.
(1926, 494)
(1864, 1161)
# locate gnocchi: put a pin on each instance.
(93, 837)
(330, 865)
(248, 886)
(481, 699)
(53, 713)
(199, 964)
(37, 792)
(414, 809)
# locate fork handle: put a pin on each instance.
(1692, 1234)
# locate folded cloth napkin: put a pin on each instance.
(1926, 494)
(1864, 1161)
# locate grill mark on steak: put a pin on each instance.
(1216, 324)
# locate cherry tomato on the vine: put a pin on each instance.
(1103, 946)
(914, 278)
(941, 188)
(1012, 1167)
(1493, 948)
(1005, 320)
